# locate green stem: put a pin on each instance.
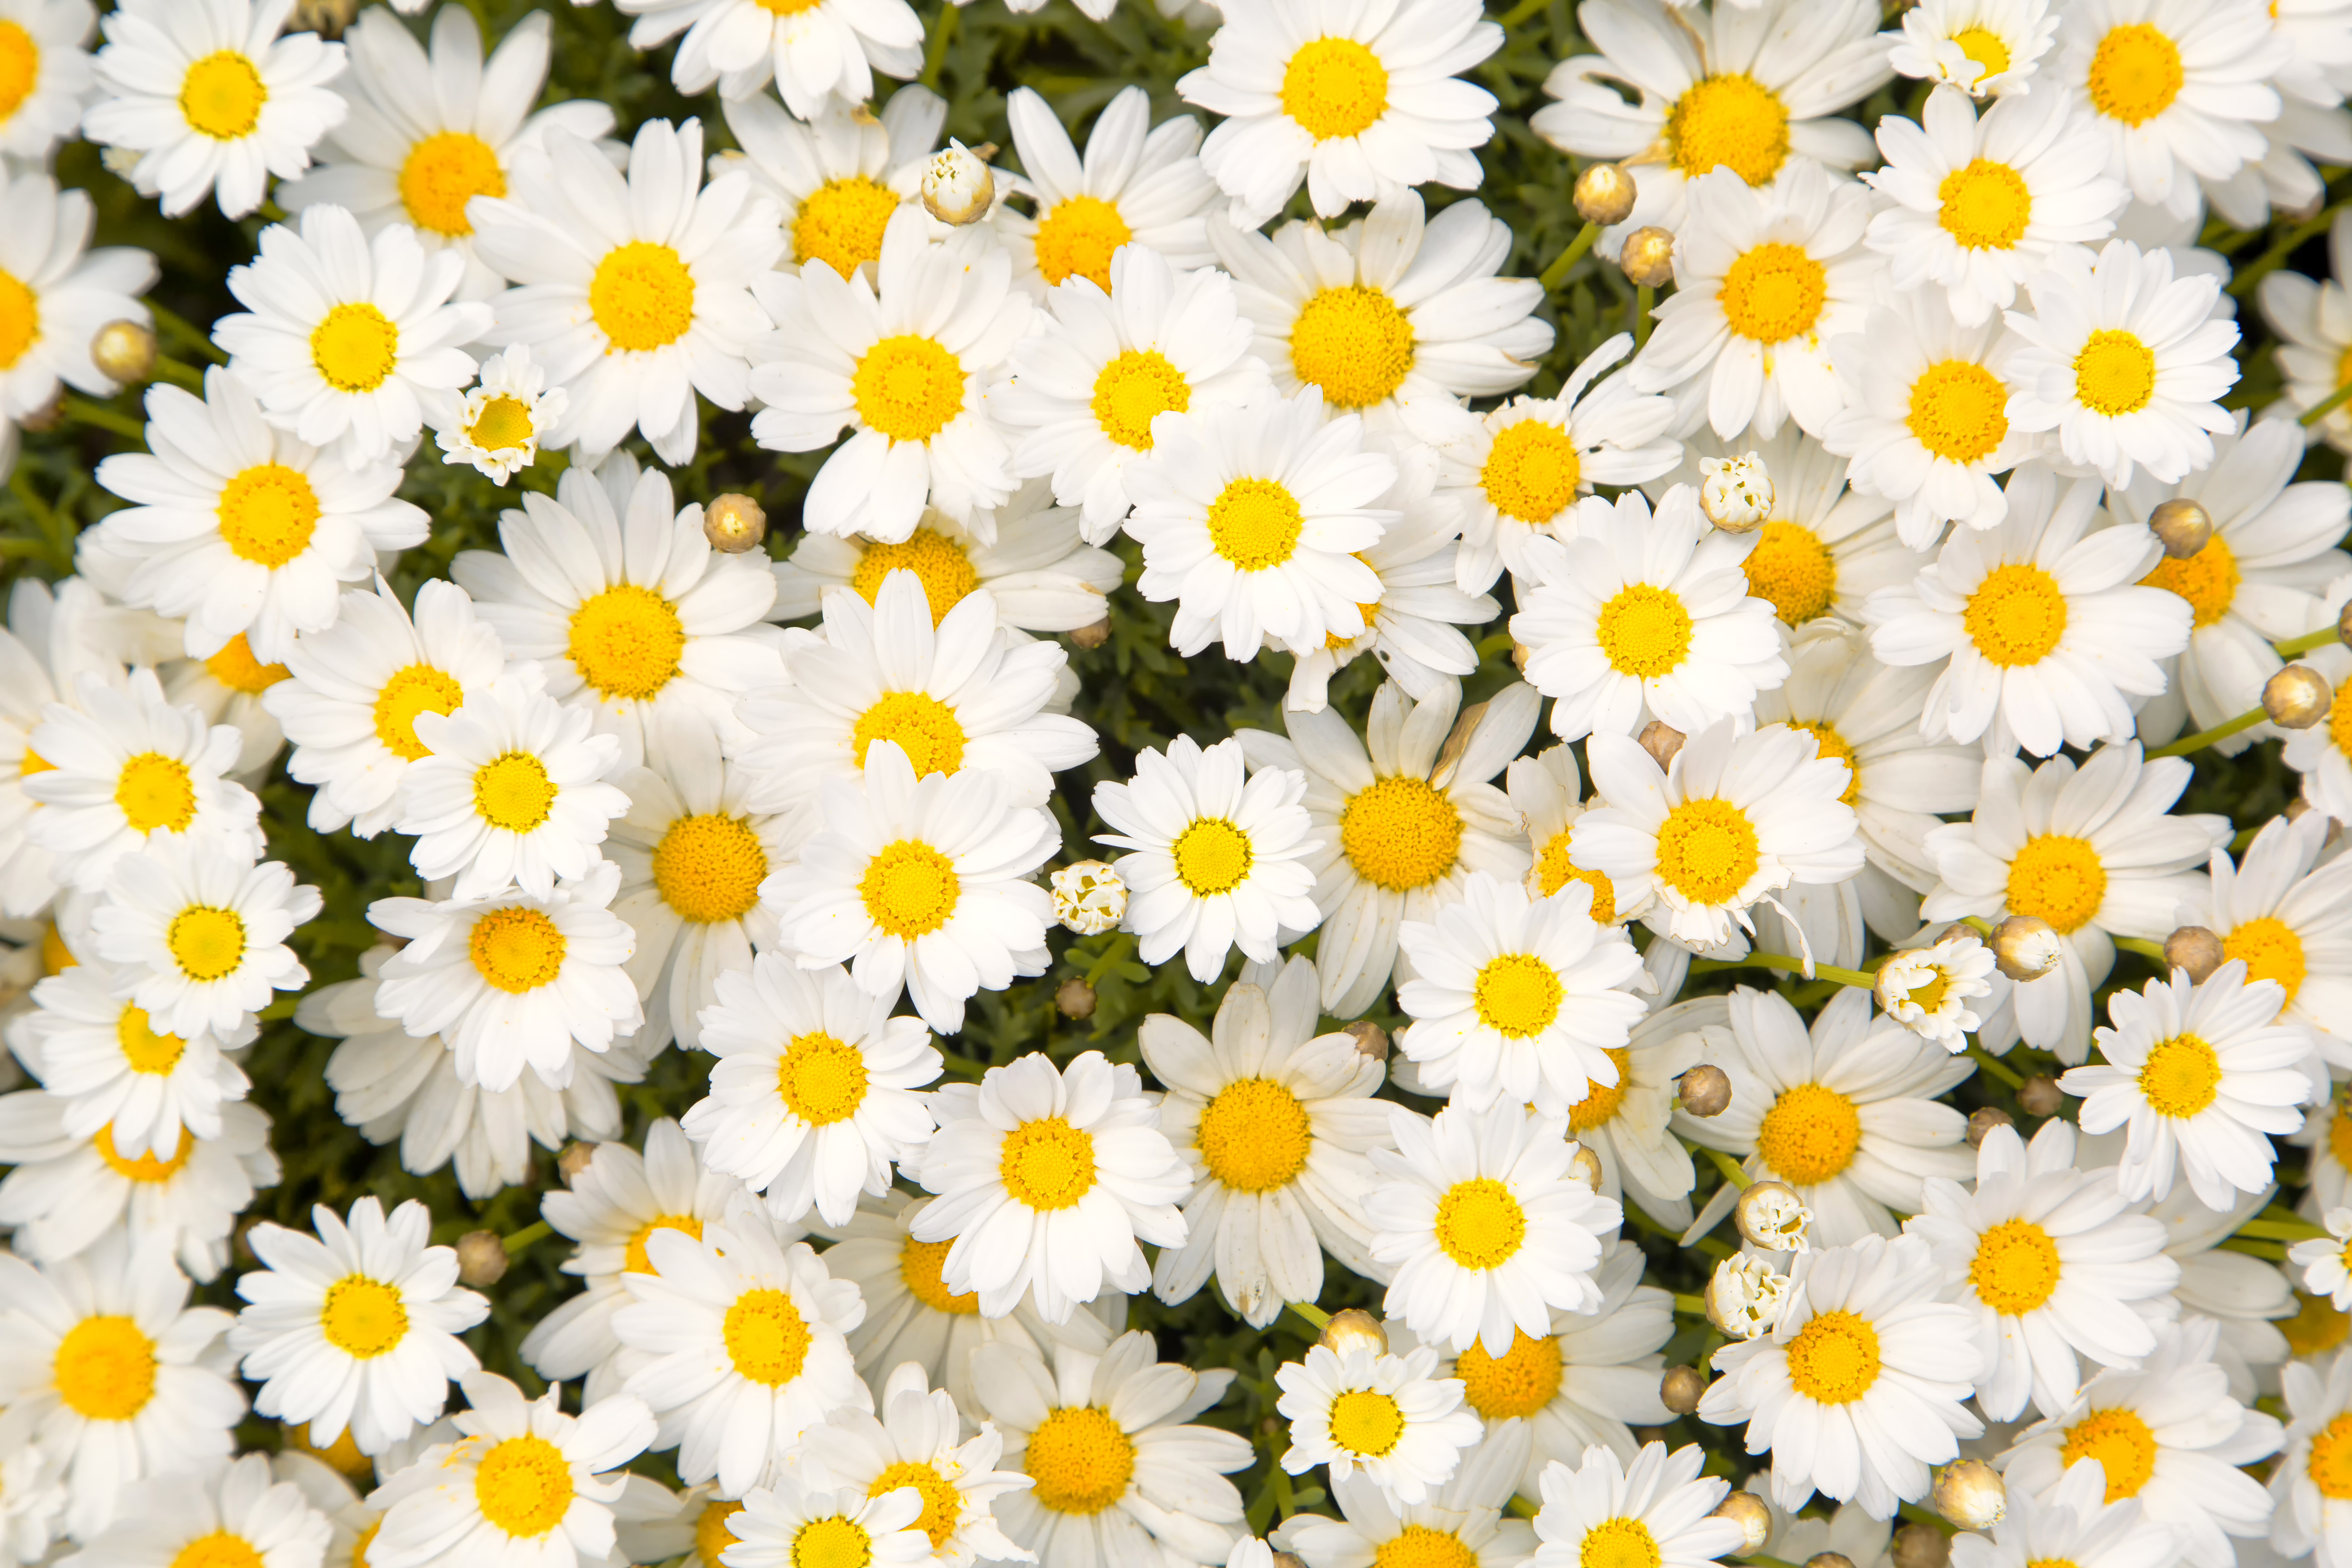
(177, 326)
(1551, 275)
(2270, 1251)
(2324, 406)
(1785, 961)
(178, 374)
(2204, 738)
(1999, 1069)
(1758, 1560)
(1978, 924)
(935, 52)
(105, 418)
(1315, 1317)
(2309, 640)
(1644, 297)
(1727, 1165)
(2248, 277)
(2282, 1231)
(1521, 12)
(1690, 1306)
(2151, 951)
(527, 1235)
(1116, 948)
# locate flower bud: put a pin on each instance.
(1662, 741)
(1520, 654)
(1920, 1545)
(2297, 697)
(1744, 1297)
(2182, 526)
(1983, 1120)
(124, 351)
(1093, 635)
(481, 1259)
(734, 523)
(2196, 950)
(1352, 1328)
(1736, 493)
(574, 1160)
(2344, 623)
(1828, 1560)
(1370, 1039)
(1747, 1510)
(2041, 1096)
(958, 185)
(1288, 1559)
(2025, 947)
(1073, 998)
(1704, 1090)
(1970, 1494)
(1604, 194)
(1585, 1166)
(1772, 1216)
(327, 18)
(1680, 1388)
(1648, 257)
(1090, 898)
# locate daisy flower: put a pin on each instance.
(903, 360)
(917, 1442)
(2322, 1261)
(2195, 1075)
(1861, 1385)
(430, 127)
(1385, 1415)
(2126, 362)
(922, 884)
(44, 43)
(1633, 615)
(1398, 316)
(99, 1053)
(233, 1512)
(32, 1504)
(212, 99)
(2313, 320)
(2178, 90)
(1277, 1122)
(632, 290)
(838, 177)
(2322, 754)
(789, 1523)
(1034, 1164)
(51, 638)
(511, 981)
(1988, 48)
(1464, 1524)
(2043, 619)
(818, 53)
(497, 429)
(1928, 990)
(1522, 467)
(1215, 861)
(735, 1340)
(1485, 1225)
(1405, 812)
(55, 292)
(2311, 1481)
(1138, 184)
(619, 596)
(2072, 1525)
(1110, 361)
(2288, 916)
(1103, 1434)
(355, 691)
(202, 931)
(1658, 1506)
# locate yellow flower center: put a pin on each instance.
(1517, 995)
(148, 1169)
(1985, 48)
(2058, 878)
(2207, 580)
(2272, 950)
(2115, 375)
(220, 1549)
(946, 572)
(523, 1485)
(1555, 870)
(920, 725)
(1774, 293)
(222, 95)
(908, 387)
(1354, 343)
(1367, 1422)
(1792, 569)
(709, 866)
(920, 1264)
(1928, 995)
(642, 296)
(821, 1079)
(362, 1317)
(20, 316)
(943, 1503)
(627, 642)
(1522, 1381)
(267, 514)
(154, 792)
(145, 1050)
(1532, 471)
(1133, 390)
(207, 943)
(442, 173)
(418, 689)
(2016, 1268)
(2339, 719)
(1080, 1460)
(911, 890)
(517, 950)
(1644, 631)
(355, 347)
(1986, 206)
(1335, 87)
(236, 667)
(1480, 1224)
(2122, 1444)
(2181, 1076)
(1834, 1360)
(714, 1530)
(1211, 857)
(637, 1258)
(841, 223)
(105, 1369)
(2316, 1327)
(2136, 74)
(1047, 1164)
(1728, 121)
(1960, 411)
(1076, 238)
(513, 792)
(1255, 1135)
(1255, 524)
(834, 1542)
(766, 1337)
(20, 68)
(2016, 616)
(1599, 1105)
(1810, 1134)
(505, 425)
(1828, 742)
(1707, 850)
(1400, 833)
(1620, 1543)
(1418, 1546)
(2330, 1466)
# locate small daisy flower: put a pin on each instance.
(817, 53)
(632, 289)
(2289, 918)
(917, 1442)
(1657, 1506)
(498, 427)
(2179, 90)
(2313, 319)
(1928, 990)
(2311, 1484)
(1138, 184)
(204, 931)
(233, 1512)
(2322, 1261)
(355, 1327)
(838, 177)
(2073, 1523)
(1988, 48)
(1073, 1159)
(99, 1051)
(1464, 1524)
(1215, 861)
(1860, 1386)
(1386, 1415)
(55, 292)
(788, 1523)
(2196, 1074)
(212, 99)
(46, 41)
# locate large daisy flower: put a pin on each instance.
(817, 53)
(1383, 1414)
(917, 1440)
(2289, 915)
(2178, 88)
(235, 1509)
(1462, 1524)
(202, 931)
(1139, 183)
(97, 1051)
(837, 178)
(48, 41)
(2313, 319)
(1659, 1506)
(55, 292)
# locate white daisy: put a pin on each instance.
(32, 1504)
(1603, 1510)
(2322, 754)
(2178, 90)
(203, 929)
(2311, 1481)
(232, 1512)
(498, 426)
(1386, 1415)
(55, 292)
(1138, 184)
(99, 1052)
(2322, 1261)
(816, 53)
(52, 637)
(2289, 918)
(838, 176)
(788, 1523)
(918, 1441)
(2072, 1525)
(1988, 48)
(1463, 1525)
(46, 44)
(1928, 990)
(2313, 319)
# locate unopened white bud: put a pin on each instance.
(1736, 493)
(958, 186)
(2026, 947)
(1970, 1494)
(1090, 898)
(1744, 1297)
(1772, 1216)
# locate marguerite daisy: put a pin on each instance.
(2288, 915)
(2179, 90)
(236, 1511)
(1988, 48)
(918, 1441)
(1656, 1507)
(2072, 1523)
(99, 1053)
(786, 1524)
(498, 427)
(1386, 1415)
(1139, 184)
(1462, 1524)
(837, 178)
(46, 44)
(201, 930)
(2313, 319)
(55, 292)
(2311, 1484)
(816, 53)
(1928, 990)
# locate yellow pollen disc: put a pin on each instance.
(1077, 239)
(1620, 1543)
(2016, 616)
(627, 642)
(2330, 1466)
(1367, 1422)
(513, 792)
(363, 1318)
(1728, 121)
(1644, 631)
(2058, 879)
(2115, 375)
(714, 1530)
(444, 171)
(355, 347)
(821, 1079)
(1960, 411)
(20, 68)
(841, 223)
(155, 791)
(1707, 850)
(787, 7)
(1517, 995)
(2016, 1268)
(2122, 1444)
(1133, 390)
(1400, 833)
(947, 573)
(1532, 471)
(1985, 48)
(268, 514)
(1986, 206)
(2181, 1076)
(642, 296)
(2272, 950)
(1047, 1164)
(1810, 1134)
(418, 689)
(1211, 857)
(207, 943)
(1080, 1460)
(766, 1337)
(505, 425)
(1255, 524)
(20, 316)
(55, 956)
(2207, 580)
(911, 890)
(523, 1485)
(2136, 74)
(1828, 742)
(221, 1548)
(636, 1259)
(1335, 87)
(1929, 995)
(832, 1542)
(148, 1169)
(1555, 870)
(1792, 569)
(920, 1265)
(516, 950)
(222, 95)
(1525, 1380)
(2339, 1123)
(1601, 1101)
(924, 728)
(105, 1369)
(1354, 343)
(1255, 1135)
(2339, 719)
(1774, 293)
(908, 387)
(1834, 1360)
(236, 667)
(943, 1503)
(709, 868)
(2316, 1327)
(1418, 1546)
(143, 1047)
(1480, 1224)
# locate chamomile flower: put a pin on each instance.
(1464, 1524)
(1928, 990)
(2288, 916)
(2313, 319)
(787, 1524)
(1215, 861)
(1656, 1506)
(1860, 1386)
(98, 1052)
(632, 290)
(917, 1440)
(236, 1511)
(2322, 1261)
(356, 1326)
(1387, 1415)
(1988, 48)
(816, 54)
(202, 931)
(47, 41)
(497, 429)
(838, 177)
(55, 292)
(1139, 184)
(212, 99)
(2312, 1482)
(2178, 90)
(1363, 108)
